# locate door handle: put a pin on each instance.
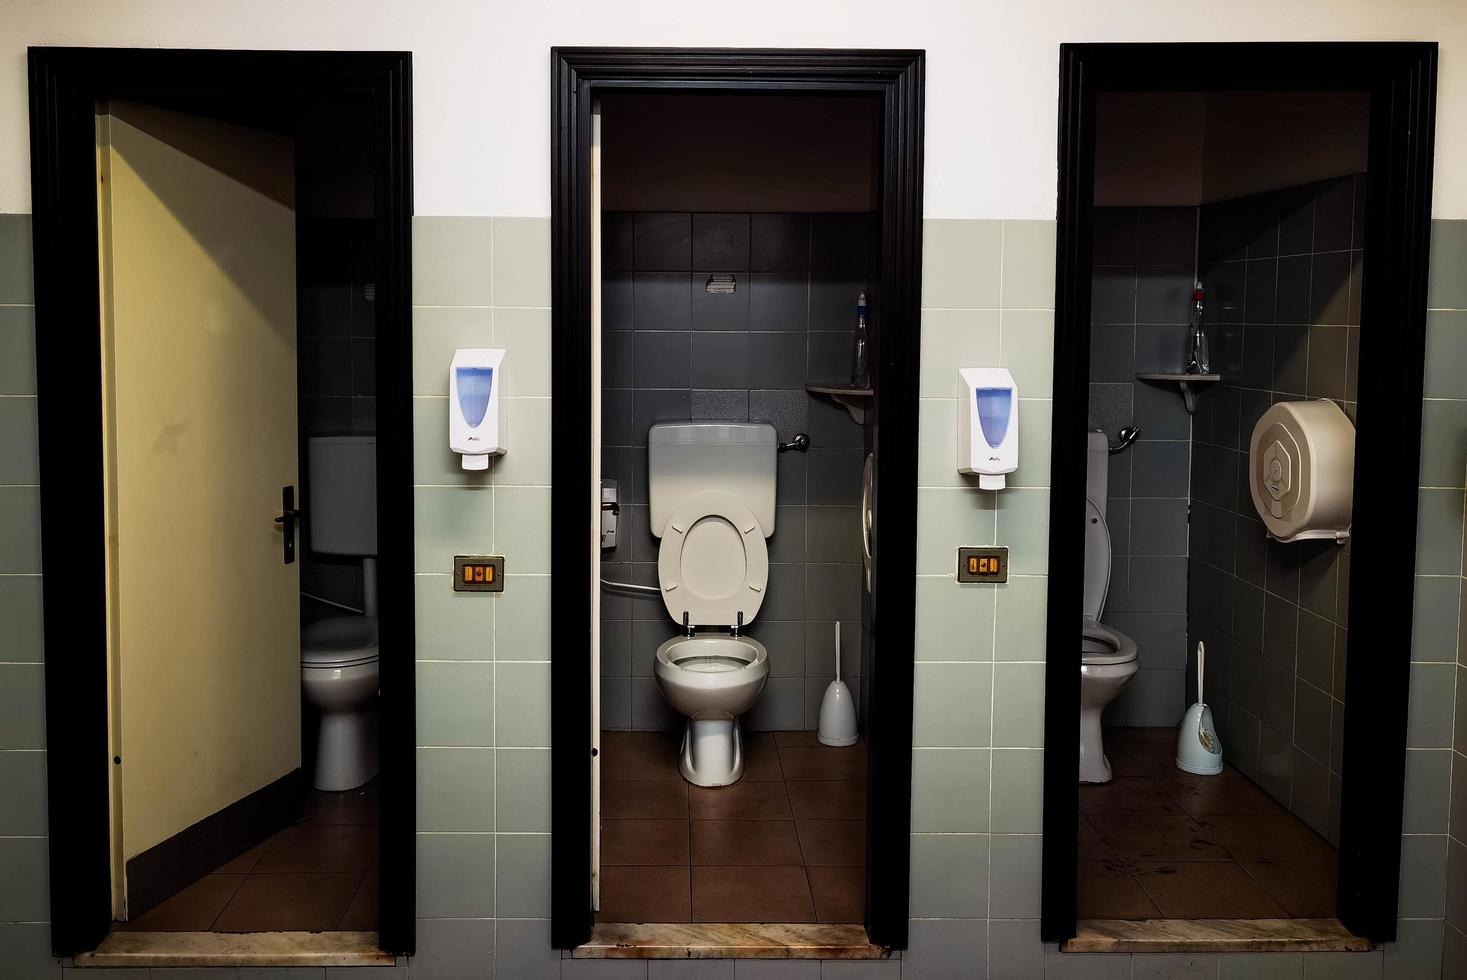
(289, 515)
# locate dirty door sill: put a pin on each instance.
(728, 940)
(1212, 936)
(167, 949)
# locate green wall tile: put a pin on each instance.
(17, 350)
(453, 262)
(456, 790)
(1028, 265)
(15, 260)
(961, 264)
(522, 262)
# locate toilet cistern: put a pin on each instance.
(988, 425)
(477, 421)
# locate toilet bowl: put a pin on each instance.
(712, 679)
(1107, 656)
(1107, 664)
(339, 679)
(712, 503)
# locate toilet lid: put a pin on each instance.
(340, 641)
(713, 563)
(1097, 560)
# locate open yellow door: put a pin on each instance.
(197, 236)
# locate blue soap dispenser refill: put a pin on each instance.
(988, 425)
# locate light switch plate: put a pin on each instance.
(478, 573)
(990, 564)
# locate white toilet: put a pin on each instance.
(711, 490)
(1107, 656)
(339, 654)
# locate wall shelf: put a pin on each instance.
(1189, 383)
(851, 397)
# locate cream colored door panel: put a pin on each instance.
(198, 252)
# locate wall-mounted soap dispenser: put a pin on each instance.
(477, 422)
(988, 425)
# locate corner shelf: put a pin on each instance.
(1189, 383)
(851, 397)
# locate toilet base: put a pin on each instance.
(346, 750)
(712, 753)
(1094, 766)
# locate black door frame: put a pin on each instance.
(579, 75)
(66, 85)
(1401, 80)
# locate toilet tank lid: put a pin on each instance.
(694, 433)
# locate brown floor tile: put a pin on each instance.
(1306, 890)
(833, 799)
(839, 893)
(1279, 837)
(1120, 760)
(644, 799)
(1199, 795)
(288, 903)
(246, 862)
(1205, 890)
(1091, 846)
(741, 801)
(833, 842)
(1129, 795)
(745, 842)
(1105, 890)
(757, 738)
(645, 895)
(823, 761)
(1128, 735)
(192, 910)
(354, 806)
(783, 739)
(761, 761)
(361, 914)
(644, 842)
(1157, 838)
(320, 847)
(751, 895)
(1151, 759)
(640, 755)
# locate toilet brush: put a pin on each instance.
(1199, 750)
(837, 710)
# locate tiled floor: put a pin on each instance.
(787, 843)
(318, 875)
(1157, 843)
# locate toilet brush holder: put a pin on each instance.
(1199, 750)
(837, 708)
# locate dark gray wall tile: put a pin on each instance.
(660, 359)
(720, 242)
(780, 243)
(663, 242)
(720, 360)
(661, 301)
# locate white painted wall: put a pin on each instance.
(482, 72)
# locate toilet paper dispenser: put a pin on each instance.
(1301, 471)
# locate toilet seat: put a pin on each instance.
(713, 564)
(339, 641)
(1101, 646)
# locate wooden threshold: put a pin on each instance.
(728, 940)
(1213, 936)
(164, 949)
